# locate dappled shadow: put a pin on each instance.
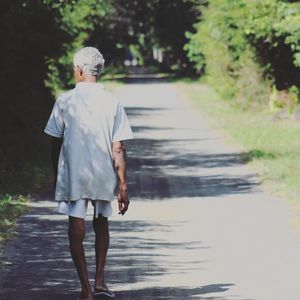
(37, 262)
(171, 167)
(140, 111)
(175, 293)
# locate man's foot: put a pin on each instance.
(103, 291)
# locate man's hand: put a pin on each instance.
(118, 152)
(123, 200)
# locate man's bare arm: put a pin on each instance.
(55, 150)
(118, 151)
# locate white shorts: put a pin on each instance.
(79, 207)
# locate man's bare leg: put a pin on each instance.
(100, 225)
(76, 237)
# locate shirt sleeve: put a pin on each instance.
(55, 126)
(122, 130)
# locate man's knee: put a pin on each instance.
(100, 223)
(76, 235)
(76, 230)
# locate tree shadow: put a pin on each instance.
(175, 293)
(168, 167)
(168, 293)
(37, 262)
(139, 111)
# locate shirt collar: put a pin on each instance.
(84, 84)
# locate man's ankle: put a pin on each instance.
(99, 282)
(100, 286)
(86, 292)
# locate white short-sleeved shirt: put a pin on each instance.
(89, 119)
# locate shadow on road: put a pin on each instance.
(38, 266)
(167, 168)
(175, 293)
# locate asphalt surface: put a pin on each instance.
(200, 225)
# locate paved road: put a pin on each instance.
(199, 226)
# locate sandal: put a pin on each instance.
(104, 292)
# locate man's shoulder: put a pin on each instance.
(108, 96)
(64, 97)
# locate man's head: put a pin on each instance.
(88, 63)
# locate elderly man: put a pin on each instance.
(88, 126)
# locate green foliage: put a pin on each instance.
(280, 100)
(147, 24)
(245, 47)
(119, 26)
(78, 19)
(274, 22)
(10, 209)
(6, 200)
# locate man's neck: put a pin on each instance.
(89, 79)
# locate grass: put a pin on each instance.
(10, 210)
(271, 147)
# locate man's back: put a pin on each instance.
(90, 119)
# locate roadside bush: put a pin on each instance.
(245, 47)
(10, 209)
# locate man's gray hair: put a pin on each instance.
(89, 60)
